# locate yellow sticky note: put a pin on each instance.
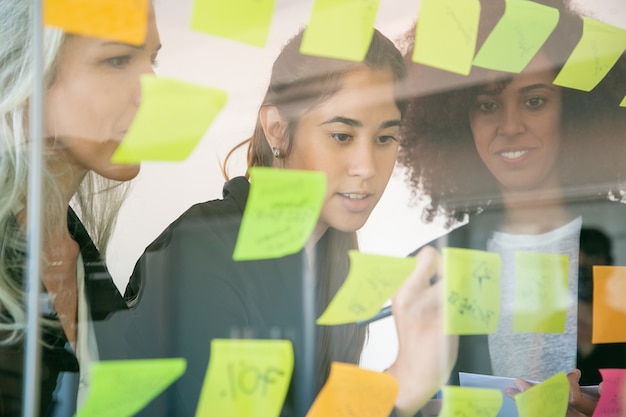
(609, 304)
(372, 280)
(470, 402)
(246, 378)
(472, 291)
(118, 20)
(245, 21)
(123, 388)
(597, 51)
(340, 29)
(547, 399)
(541, 295)
(352, 391)
(623, 103)
(517, 36)
(446, 34)
(281, 212)
(171, 120)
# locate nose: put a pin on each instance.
(511, 123)
(362, 161)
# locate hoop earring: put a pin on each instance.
(278, 153)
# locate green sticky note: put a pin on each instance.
(548, 399)
(171, 120)
(472, 291)
(597, 51)
(517, 36)
(623, 103)
(541, 294)
(372, 280)
(281, 212)
(470, 402)
(245, 21)
(246, 378)
(123, 388)
(341, 29)
(446, 33)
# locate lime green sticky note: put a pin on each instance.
(372, 280)
(281, 212)
(246, 378)
(470, 402)
(472, 290)
(517, 36)
(340, 29)
(597, 51)
(171, 120)
(541, 295)
(548, 399)
(123, 388)
(246, 21)
(623, 103)
(446, 34)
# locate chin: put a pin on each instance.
(121, 172)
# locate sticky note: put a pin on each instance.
(245, 21)
(609, 304)
(623, 103)
(123, 388)
(172, 118)
(541, 294)
(352, 391)
(246, 378)
(597, 51)
(517, 36)
(118, 20)
(470, 402)
(341, 29)
(472, 291)
(611, 398)
(371, 281)
(280, 215)
(547, 399)
(446, 32)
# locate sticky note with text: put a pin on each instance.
(245, 21)
(171, 120)
(372, 280)
(123, 388)
(446, 32)
(246, 378)
(117, 20)
(470, 402)
(547, 399)
(611, 398)
(517, 36)
(609, 304)
(341, 29)
(597, 51)
(352, 391)
(472, 291)
(541, 294)
(281, 212)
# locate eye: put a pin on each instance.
(384, 140)
(487, 106)
(535, 103)
(154, 60)
(341, 137)
(118, 61)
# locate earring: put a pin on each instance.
(278, 153)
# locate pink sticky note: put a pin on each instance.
(610, 404)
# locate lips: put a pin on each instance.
(355, 196)
(356, 201)
(514, 155)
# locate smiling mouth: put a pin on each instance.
(513, 154)
(354, 196)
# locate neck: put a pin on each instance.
(534, 213)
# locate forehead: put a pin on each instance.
(540, 70)
(363, 86)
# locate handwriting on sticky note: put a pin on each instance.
(171, 120)
(281, 212)
(517, 36)
(611, 400)
(118, 20)
(541, 294)
(123, 388)
(470, 402)
(597, 51)
(341, 29)
(547, 399)
(246, 21)
(609, 287)
(352, 391)
(472, 282)
(372, 280)
(246, 378)
(445, 35)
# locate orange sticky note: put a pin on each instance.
(352, 391)
(118, 20)
(609, 304)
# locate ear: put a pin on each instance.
(273, 125)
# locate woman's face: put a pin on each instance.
(517, 129)
(351, 137)
(94, 97)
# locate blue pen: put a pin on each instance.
(384, 312)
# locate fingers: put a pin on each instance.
(577, 400)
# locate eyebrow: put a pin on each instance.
(140, 47)
(496, 91)
(536, 86)
(356, 123)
